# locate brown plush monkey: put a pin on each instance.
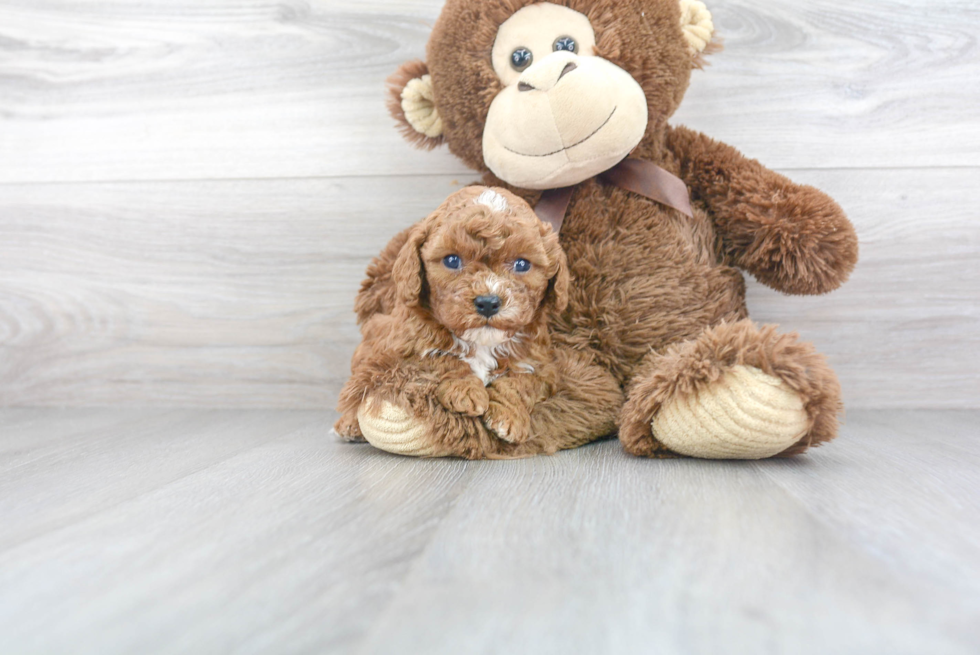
(548, 100)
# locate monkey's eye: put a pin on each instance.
(566, 43)
(521, 59)
(522, 266)
(453, 262)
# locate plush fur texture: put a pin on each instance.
(644, 37)
(657, 298)
(689, 366)
(407, 72)
(430, 349)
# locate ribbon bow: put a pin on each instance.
(636, 175)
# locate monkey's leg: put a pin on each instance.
(734, 392)
(418, 429)
(584, 407)
(401, 408)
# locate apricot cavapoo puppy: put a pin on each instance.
(474, 287)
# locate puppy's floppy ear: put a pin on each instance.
(557, 294)
(407, 271)
(412, 104)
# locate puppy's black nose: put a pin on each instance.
(487, 305)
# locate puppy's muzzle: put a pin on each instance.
(487, 305)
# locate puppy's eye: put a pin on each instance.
(522, 266)
(453, 262)
(566, 43)
(521, 59)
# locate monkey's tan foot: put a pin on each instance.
(745, 414)
(388, 427)
(737, 391)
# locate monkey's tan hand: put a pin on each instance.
(466, 396)
(511, 422)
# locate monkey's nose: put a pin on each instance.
(487, 305)
(545, 74)
(569, 67)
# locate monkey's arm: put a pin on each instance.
(791, 237)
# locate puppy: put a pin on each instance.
(475, 285)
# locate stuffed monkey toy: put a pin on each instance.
(566, 104)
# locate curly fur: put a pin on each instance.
(432, 352)
(396, 84)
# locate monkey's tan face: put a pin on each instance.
(564, 114)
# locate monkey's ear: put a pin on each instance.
(412, 103)
(698, 29)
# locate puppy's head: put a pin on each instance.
(483, 260)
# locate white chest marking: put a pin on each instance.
(482, 360)
(480, 348)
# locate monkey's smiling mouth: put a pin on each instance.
(596, 131)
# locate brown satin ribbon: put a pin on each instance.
(636, 175)
(553, 205)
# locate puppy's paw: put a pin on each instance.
(510, 423)
(348, 429)
(467, 396)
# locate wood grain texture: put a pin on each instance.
(240, 293)
(162, 89)
(288, 542)
(208, 294)
(190, 190)
(65, 478)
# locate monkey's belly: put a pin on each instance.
(624, 304)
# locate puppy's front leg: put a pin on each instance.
(512, 398)
(347, 427)
(462, 392)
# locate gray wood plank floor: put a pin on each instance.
(177, 531)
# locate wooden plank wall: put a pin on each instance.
(190, 189)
